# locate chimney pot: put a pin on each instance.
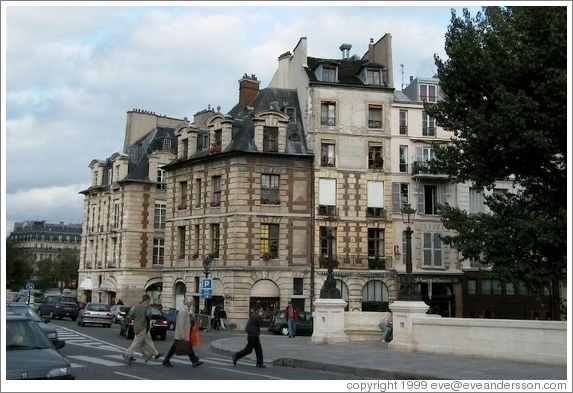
(345, 48)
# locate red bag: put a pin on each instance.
(195, 337)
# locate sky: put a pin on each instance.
(70, 74)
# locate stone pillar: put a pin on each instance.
(403, 311)
(328, 324)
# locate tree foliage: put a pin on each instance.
(19, 266)
(505, 89)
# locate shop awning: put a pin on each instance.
(265, 288)
(86, 285)
(108, 285)
(218, 288)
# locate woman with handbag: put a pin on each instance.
(182, 344)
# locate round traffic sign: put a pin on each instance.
(30, 286)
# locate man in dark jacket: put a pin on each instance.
(253, 330)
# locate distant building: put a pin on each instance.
(46, 241)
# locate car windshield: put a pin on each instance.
(68, 299)
(97, 307)
(24, 334)
(23, 310)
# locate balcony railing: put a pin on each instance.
(327, 210)
(356, 261)
(327, 161)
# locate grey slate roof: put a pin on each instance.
(140, 150)
(348, 70)
(267, 99)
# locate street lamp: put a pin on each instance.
(329, 290)
(408, 288)
(207, 264)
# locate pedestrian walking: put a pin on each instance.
(386, 326)
(253, 330)
(142, 339)
(185, 320)
(222, 318)
(291, 315)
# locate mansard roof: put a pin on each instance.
(348, 70)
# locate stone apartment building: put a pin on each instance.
(436, 266)
(120, 235)
(46, 241)
(240, 194)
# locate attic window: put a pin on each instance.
(167, 144)
(375, 76)
(271, 139)
(291, 113)
(326, 73)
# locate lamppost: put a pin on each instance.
(329, 290)
(408, 289)
(206, 267)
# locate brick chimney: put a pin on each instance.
(248, 90)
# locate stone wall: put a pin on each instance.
(514, 340)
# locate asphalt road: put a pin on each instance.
(96, 354)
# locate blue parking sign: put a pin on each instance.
(207, 288)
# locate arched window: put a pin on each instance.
(375, 296)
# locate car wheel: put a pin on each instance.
(171, 326)
(82, 324)
(79, 322)
(74, 318)
(130, 334)
(51, 314)
(284, 330)
(60, 318)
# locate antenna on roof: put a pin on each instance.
(402, 71)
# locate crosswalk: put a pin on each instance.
(116, 360)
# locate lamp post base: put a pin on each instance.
(408, 290)
(329, 321)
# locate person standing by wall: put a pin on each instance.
(386, 326)
(291, 315)
(253, 330)
(142, 339)
(185, 319)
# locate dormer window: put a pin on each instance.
(218, 137)
(167, 144)
(327, 73)
(203, 142)
(271, 139)
(374, 76)
(428, 93)
(291, 113)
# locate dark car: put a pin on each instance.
(278, 324)
(27, 311)
(159, 324)
(29, 353)
(58, 306)
(171, 315)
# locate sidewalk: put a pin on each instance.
(373, 359)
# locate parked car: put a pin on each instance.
(29, 353)
(33, 299)
(278, 324)
(59, 306)
(159, 324)
(95, 313)
(171, 315)
(118, 311)
(27, 311)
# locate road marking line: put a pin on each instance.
(91, 359)
(243, 372)
(129, 375)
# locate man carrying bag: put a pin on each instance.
(182, 344)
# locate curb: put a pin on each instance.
(337, 368)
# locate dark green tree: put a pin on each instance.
(19, 266)
(46, 273)
(505, 89)
(66, 265)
